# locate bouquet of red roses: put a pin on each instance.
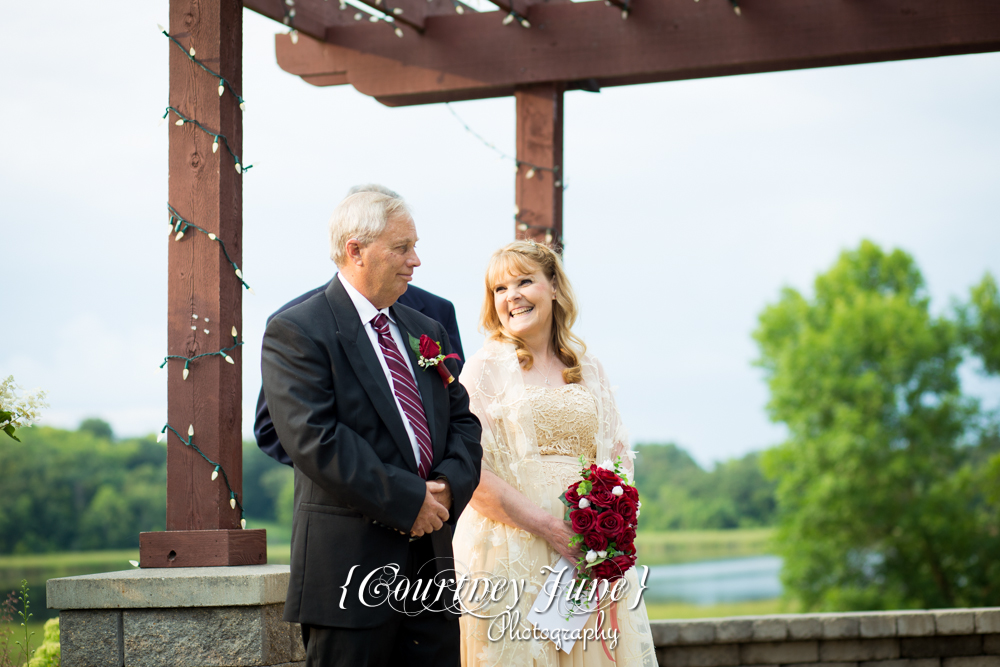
(604, 511)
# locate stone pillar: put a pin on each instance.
(197, 617)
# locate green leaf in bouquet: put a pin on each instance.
(562, 497)
(576, 540)
(584, 488)
(414, 343)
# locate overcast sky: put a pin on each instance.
(689, 206)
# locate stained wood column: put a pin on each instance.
(204, 298)
(540, 155)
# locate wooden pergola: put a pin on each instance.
(432, 51)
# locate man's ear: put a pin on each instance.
(353, 250)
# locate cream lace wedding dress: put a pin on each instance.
(532, 438)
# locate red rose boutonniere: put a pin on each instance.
(429, 355)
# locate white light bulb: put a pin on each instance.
(160, 436)
(212, 237)
(399, 32)
(250, 289)
(158, 369)
(357, 17)
(243, 523)
(222, 88)
(517, 210)
(215, 145)
(179, 236)
(234, 332)
(525, 24)
(239, 169)
(191, 430)
(459, 9)
(531, 173)
(737, 10)
(243, 106)
(194, 328)
(295, 36)
(507, 19)
(557, 184)
(191, 51)
(134, 563)
(397, 11)
(206, 331)
(373, 19)
(180, 121)
(215, 474)
(194, 316)
(624, 14)
(185, 373)
(232, 503)
(206, 319)
(343, 6)
(291, 14)
(230, 359)
(171, 230)
(239, 274)
(161, 28)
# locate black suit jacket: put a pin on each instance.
(431, 305)
(356, 481)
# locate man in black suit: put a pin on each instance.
(438, 309)
(386, 453)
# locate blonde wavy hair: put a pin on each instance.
(524, 257)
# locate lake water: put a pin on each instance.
(716, 581)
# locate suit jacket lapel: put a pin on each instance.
(367, 368)
(426, 379)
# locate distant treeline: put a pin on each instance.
(83, 489)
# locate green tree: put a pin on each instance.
(98, 427)
(881, 503)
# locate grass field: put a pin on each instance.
(670, 547)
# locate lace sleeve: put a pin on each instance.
(612, 436)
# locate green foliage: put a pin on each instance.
(980, 323)
(882, 503)
(97, 427)
(264, 486)
(48, 654)
(677, 494)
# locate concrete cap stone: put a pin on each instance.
(954, 621)
(734, 629)
(805, 626)
(697, 632)
(769, 629)
(840, 626)
(915, 624)
(877, 625)
(165, 588)
(988, 621)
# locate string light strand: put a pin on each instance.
(178, 227)
(182, 120)
(223, 82)
(224, 353)
(217, 468)
(532, 168)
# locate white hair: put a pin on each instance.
(362, 216)
(373, 187)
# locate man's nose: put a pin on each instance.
(414, 261)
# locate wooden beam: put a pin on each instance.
(204, 188)
(538, 190)
(475, 56)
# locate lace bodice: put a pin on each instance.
(565, 420)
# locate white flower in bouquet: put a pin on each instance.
(602, 554)
(18, 411)
(607, 465)
(591, 556)
(584, 503)
(617, 491)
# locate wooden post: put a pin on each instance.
(204, 298)
(538, 192)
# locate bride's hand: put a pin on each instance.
(559, 534)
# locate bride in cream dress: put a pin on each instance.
(543, 402)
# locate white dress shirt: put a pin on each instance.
(368, 312)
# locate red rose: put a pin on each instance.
(626, 541)
(572, 497)
(595, 540)
(583, 520)
(626, 507)
(428, 348)
(623, 563)
(602, 496)
(605, 570)
(611, 524)
(605, 477)
(631, 493)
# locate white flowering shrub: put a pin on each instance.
(19, 411)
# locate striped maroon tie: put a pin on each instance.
(406, 392)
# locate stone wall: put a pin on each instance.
(944, 638)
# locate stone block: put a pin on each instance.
(782, 653)
(855, 650)
(877, 625)
(840, 627)
(955, 622)
(665, 633)
(719, 655)
(730, 630)
(696, 632)
(926, 662)
(915, 624)
(988, 621)
(991, 644)
(90, 638)
(940, 647)
(823, 664)
(972, 661)
(805, 627)
(773, 629)
(283, 641)
(200, 637)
